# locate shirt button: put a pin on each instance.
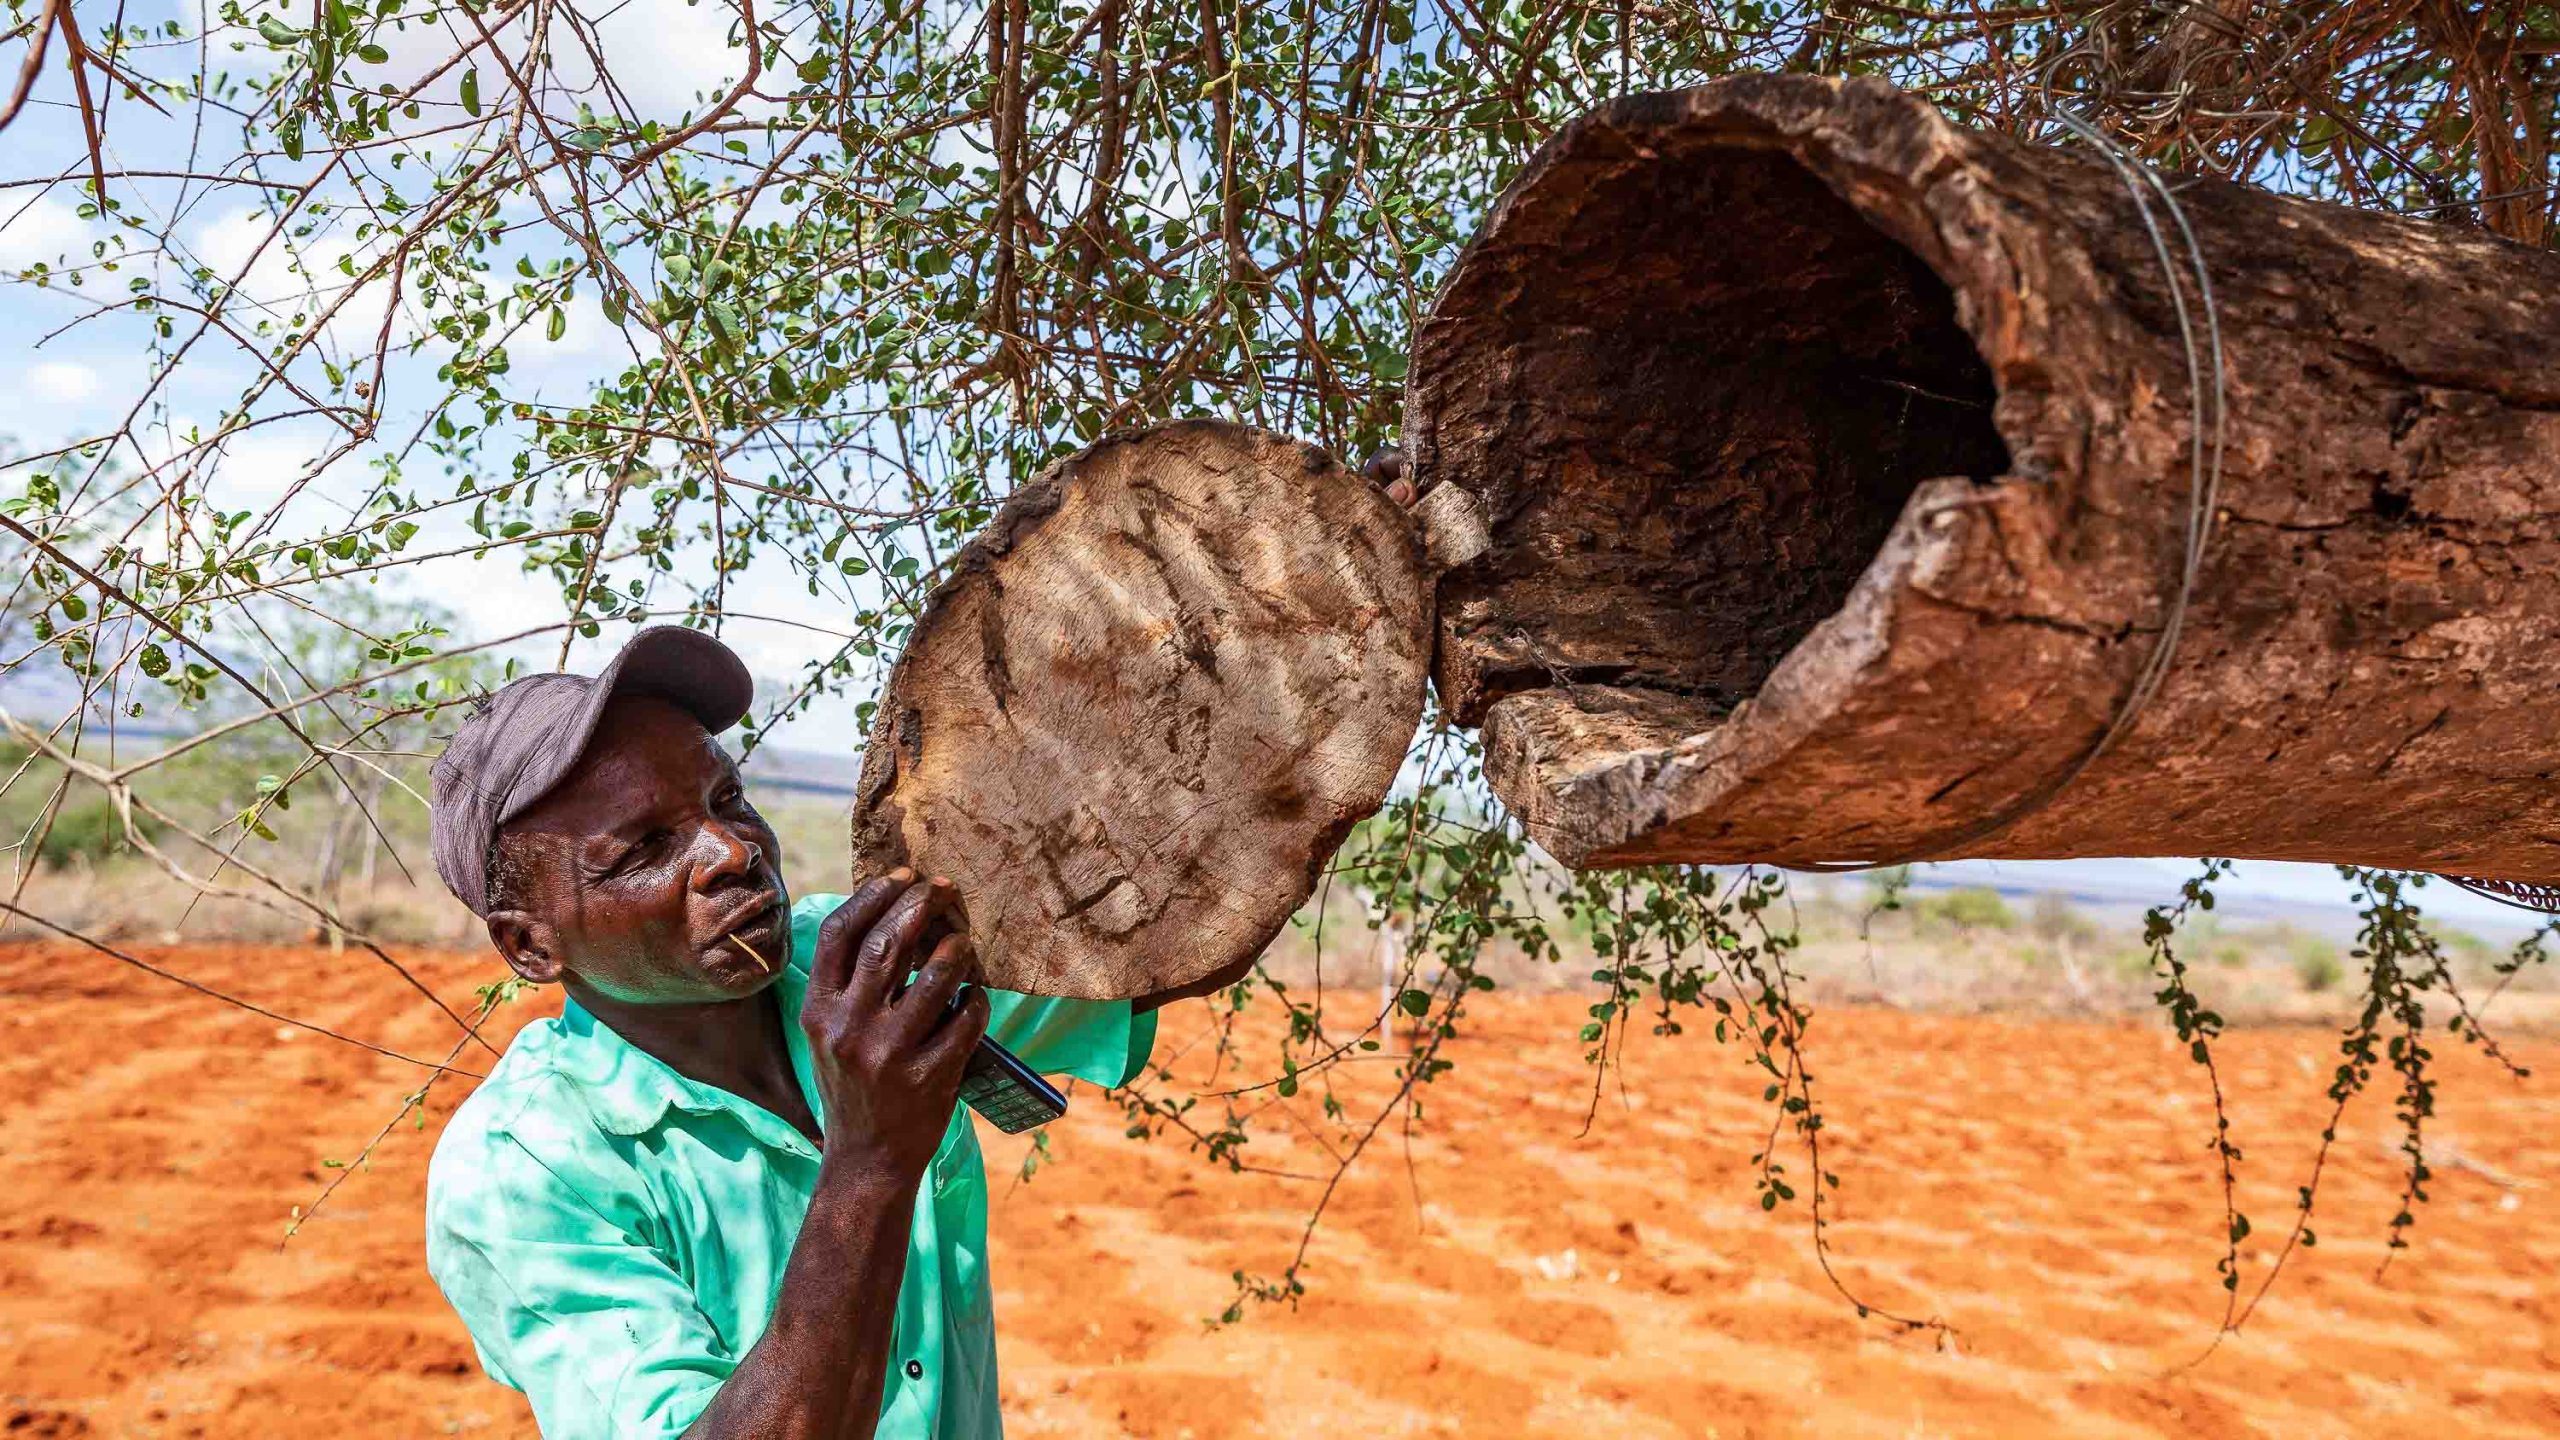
(915, 1369)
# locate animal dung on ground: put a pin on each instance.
(1147, 703)
(1839, 465)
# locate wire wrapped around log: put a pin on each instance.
(1836, 461)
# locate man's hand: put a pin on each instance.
(889, 1063)
(888, 1066)
(1385, 469)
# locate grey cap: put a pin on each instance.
(522, 740)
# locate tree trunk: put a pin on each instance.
(1148, 702)
(1838, 464)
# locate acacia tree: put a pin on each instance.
(457, 295)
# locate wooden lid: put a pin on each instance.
(1147, 703)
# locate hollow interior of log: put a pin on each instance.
(1721, 384)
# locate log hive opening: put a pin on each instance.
(1836, 463)
(1721, 386)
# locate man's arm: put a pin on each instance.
(822, 1365)
(888, 1068)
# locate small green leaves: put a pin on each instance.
(726, 327)
(471, 91)
(278, 34)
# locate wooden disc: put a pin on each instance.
(1148, 702)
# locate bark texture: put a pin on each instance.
(1836, 464)
(1147, 704)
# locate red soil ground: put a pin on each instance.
(2041, 1187)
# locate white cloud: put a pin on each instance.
(257, 466)
(62, 382)
(665, 56)
(44, 229)
(296, 275)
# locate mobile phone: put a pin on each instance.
(1012, 1096)
(1009, 1094)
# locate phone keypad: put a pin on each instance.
(1006, 1105)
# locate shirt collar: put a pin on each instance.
(630, 1091)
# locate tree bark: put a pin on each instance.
(1147, 703)
(1838, 461)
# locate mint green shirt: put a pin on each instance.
(614, 1234)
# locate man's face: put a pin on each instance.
(645, 874)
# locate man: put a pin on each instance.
(728, 1192)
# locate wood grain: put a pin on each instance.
(1146, 705)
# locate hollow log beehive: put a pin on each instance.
(1837, 463)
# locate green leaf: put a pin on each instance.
(279, 34)
(558, 324)
(816, 68)
(471, 91)
(1415, 1002)
(610, 302)
(585, 137)
(373, 55)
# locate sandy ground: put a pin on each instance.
(2043, 1188)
